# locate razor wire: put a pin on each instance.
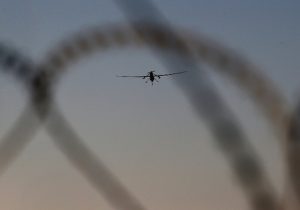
(119, 36)
(227, 132)
(56, 63)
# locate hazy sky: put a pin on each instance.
(148, 136)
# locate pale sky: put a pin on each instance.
(148, 136)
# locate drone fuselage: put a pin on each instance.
(151, 76)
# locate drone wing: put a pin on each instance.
(134, 76)
(162, 75)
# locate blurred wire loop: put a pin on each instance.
(41, 78)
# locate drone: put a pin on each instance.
(151, 76)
